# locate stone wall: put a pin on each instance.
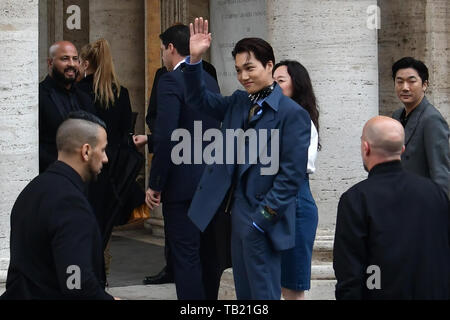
(122, 24)
(437, 58)
(230, 22)
(332, 40)
(18, 109)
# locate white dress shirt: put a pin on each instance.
(312, 150)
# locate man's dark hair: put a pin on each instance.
(409, 62)
(178, 35)
(261, 49)
(84, 115)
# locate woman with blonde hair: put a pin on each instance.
(112, 103)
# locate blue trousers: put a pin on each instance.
(256, 266)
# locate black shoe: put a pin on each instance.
(160, 278)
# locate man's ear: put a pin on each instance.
(366, 148)
(85, 152)
(269, 65)
(403, 149)
(171, 48)
(49, 62)
(425, 85)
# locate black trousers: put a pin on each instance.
(197, 259)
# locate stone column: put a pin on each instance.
(334, 41)
(437, 58)
(18, 109)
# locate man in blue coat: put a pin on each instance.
(259, 177)
(173, 183)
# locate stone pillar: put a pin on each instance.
(437, 58)
(402, 33)
(230, 22)
(333, 41)
(18, 109)
(173, 11)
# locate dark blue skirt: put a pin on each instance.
(296, 262)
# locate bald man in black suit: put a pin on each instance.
(392, 229)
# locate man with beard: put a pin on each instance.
(58, 96)
(56, 247)
(392, 229)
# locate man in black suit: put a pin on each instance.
(153, 102)
(166, 274)
(58, 96)
(392, 230)
(174, 184)
(56, 247)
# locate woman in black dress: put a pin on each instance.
(112, 104)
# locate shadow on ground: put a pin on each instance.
(132, 261)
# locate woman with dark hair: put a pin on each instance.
(260, 198)
(294, 80)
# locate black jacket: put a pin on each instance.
(153, 101)
(53, 229)
(177, 182)
(399, 222)
(111, 199)
(55, 103)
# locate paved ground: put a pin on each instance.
(136, 254)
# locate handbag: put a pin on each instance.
(140, 213)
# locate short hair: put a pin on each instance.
(178, 35)
(80, 127)
(261, 49)
(409, 62)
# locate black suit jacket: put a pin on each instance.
(52, 112)
(397, 221)
(53, 228)
(177, 182)
(153, 103)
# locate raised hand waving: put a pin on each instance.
(200, 40)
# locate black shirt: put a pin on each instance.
(55, 104)
(404, 118)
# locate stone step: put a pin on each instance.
(321, 287)
(323, 250)
(155, 226)
(322, 272)
(323, 244)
